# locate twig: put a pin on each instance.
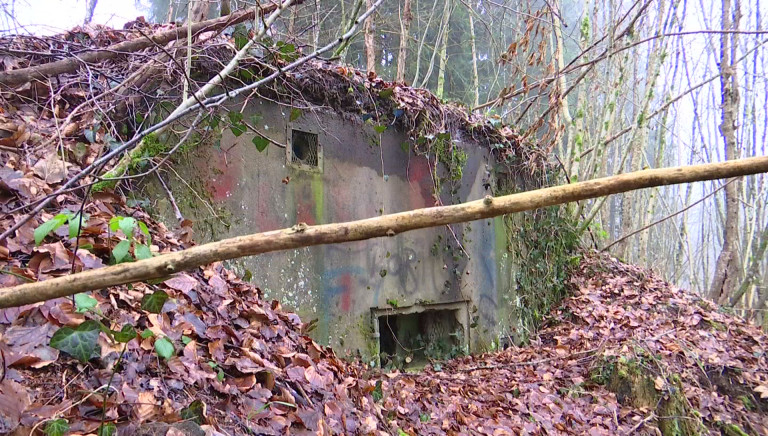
(17, 275)
(607, 247)
(175, 206)
(645, 420)
(212, 101)
(529, 362)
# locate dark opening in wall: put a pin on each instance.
(413, 338)
(304, 148)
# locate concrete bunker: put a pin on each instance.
(412, 335)
(353, 156)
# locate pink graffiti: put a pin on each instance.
(305, 213)
(346, 293)
(420, 194)
(225, 179)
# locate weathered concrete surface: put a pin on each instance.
(339, 284)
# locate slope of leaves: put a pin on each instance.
(245, 358)
(620, 319)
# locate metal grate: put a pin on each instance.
(304, 148)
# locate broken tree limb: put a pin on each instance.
(217, 100)
(41, 72)
(302, 235)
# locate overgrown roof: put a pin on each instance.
(417, 112)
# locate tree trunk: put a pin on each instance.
(753, 272)
(302, 235)
(405, 28)
(725, 276)
(443, 50)
(90, 7)
(370, 43)
(198, 11)
(475, 76)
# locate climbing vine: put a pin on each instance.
(543, 245)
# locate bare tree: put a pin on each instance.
(370, 43)
(405, 28)
(726, 269)
(90, 7)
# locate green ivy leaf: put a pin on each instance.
(142, 251)
(220, 375)
(238, 129)
(164, 348)
(146, 334)
(246, 74)
(185, 339)
(127, 225)
(125, 335)
(213, 123)
(296, 114)
(120, 252)
(286, 48)
(114, 223)
(235, 117)
(380, 129)
(386, 93)
(194, 412)
(240, 41)
(400, 432)
(75, 224)
(56, 427)
(145, 230)
(106, 429)
(84, 302)
(377, 393)
(260, 142)
(154, 302)
(240, 35)
(49, 226)
(80, 342)
(90, 135)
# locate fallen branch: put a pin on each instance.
(216, 100)
(41, 72)
(302, 235)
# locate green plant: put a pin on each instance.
(128, 225)
(82, 343)
(544, 244)
(164, 348)
(56, 427)
(72, 219)
(106, 429)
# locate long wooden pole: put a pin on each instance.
(302, 235)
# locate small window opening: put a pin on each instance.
(304, 148)
(412, 340)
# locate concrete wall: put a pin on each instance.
(339, 284)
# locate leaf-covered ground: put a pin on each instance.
(627, 353)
